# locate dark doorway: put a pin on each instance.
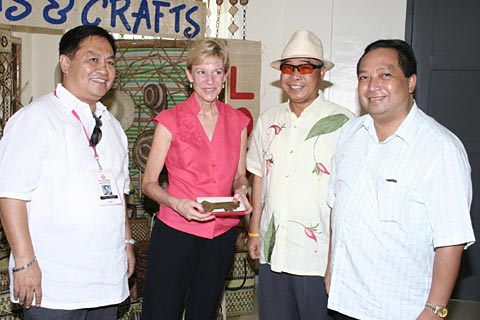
(445, 36)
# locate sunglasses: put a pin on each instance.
(97, 132)
(306, 68)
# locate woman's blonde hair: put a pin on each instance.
(205, 48)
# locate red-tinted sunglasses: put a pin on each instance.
(306, 68)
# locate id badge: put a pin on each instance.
(106, 188)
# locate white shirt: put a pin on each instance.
(393, 203)
(45, 160)
(295, 222)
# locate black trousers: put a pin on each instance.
(100, 313)
(183, 269)
(284, 296)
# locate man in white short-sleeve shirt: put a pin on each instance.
(290, 155)
(400, 193)
(69, 255)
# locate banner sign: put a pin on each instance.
(243, 84)
(176, 19)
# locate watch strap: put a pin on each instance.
(440, 311)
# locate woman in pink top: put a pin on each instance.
(202, 142)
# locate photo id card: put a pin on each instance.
(106, 187)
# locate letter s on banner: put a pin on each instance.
(186, 33)
(9, 13)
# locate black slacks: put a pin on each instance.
(183, 269)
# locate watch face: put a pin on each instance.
(442, 312)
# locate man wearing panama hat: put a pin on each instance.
(290, 156)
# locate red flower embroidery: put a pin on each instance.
(321, 167)
(309, 232)
(277, 128)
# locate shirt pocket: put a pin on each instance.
(391, 199)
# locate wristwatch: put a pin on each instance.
(438, 310)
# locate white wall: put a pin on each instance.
(39, 59)
(345, 27)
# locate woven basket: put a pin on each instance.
(240, 286)
(129, 310)
(4, 281)
(8, 310)
(140, 228)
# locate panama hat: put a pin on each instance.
(303, 44)
(121, 105)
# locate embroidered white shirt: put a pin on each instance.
(294, 228)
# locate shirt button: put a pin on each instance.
(287, 175)
(291, 151)
(295, 126)
(214, 165)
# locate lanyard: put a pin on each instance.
(95, 154)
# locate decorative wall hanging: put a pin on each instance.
(141, 149)
(228, 19)
(155, 97)
(244, 18)
(6, 87)
(122, 106)
(233, 11)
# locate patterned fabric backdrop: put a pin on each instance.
(6, 78)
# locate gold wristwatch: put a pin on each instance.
(438, 310)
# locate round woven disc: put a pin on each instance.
(155, 97)
(141, 149)
(121, 105)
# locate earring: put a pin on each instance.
(223, 85)
(191, 85)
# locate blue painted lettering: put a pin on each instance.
(120, 12)
(62, 14)
(87, 8)
(141, 14)
(148, 17)
(176, 11)
(158, 13)
(10, 12)
(188, 33)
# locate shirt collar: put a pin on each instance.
(315, 107)
(406, 131)
(408, 128)
(72, 102)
